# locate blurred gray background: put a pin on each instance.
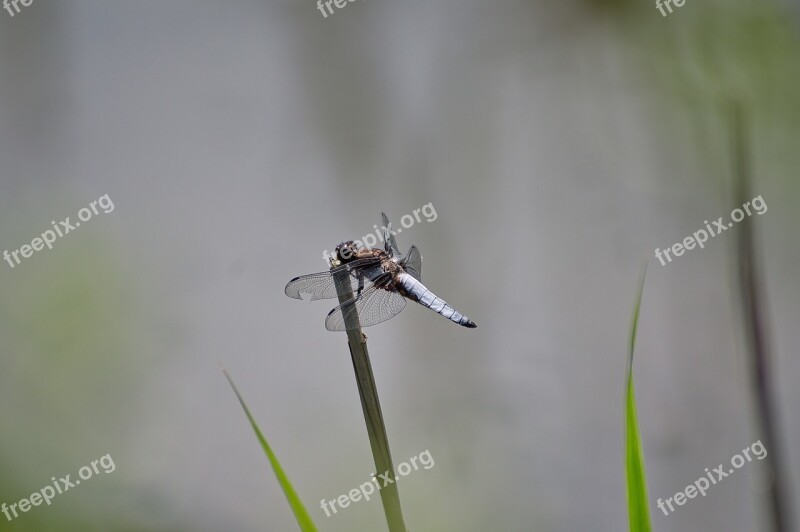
(559, 142)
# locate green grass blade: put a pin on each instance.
(300, 513)
(638, 501)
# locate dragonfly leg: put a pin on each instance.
(383, 280)
(360, 286)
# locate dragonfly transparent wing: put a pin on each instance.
(389, 237)
(321, 286)
(412, 263)
(373, 306)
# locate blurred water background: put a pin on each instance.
(559, 142)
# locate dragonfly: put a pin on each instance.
(379, 282)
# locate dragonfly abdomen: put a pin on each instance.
(416, 291)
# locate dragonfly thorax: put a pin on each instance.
(348, 251)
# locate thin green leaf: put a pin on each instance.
(300, 513)
(638, 501)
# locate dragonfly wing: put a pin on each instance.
(412, 263)
(321, 286)
(389, 236)
(316, 285)
(374, 305)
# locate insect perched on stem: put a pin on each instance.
(380, 279)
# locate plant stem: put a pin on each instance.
(368, 392)
(751, 292)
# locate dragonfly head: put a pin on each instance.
(346, 251)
